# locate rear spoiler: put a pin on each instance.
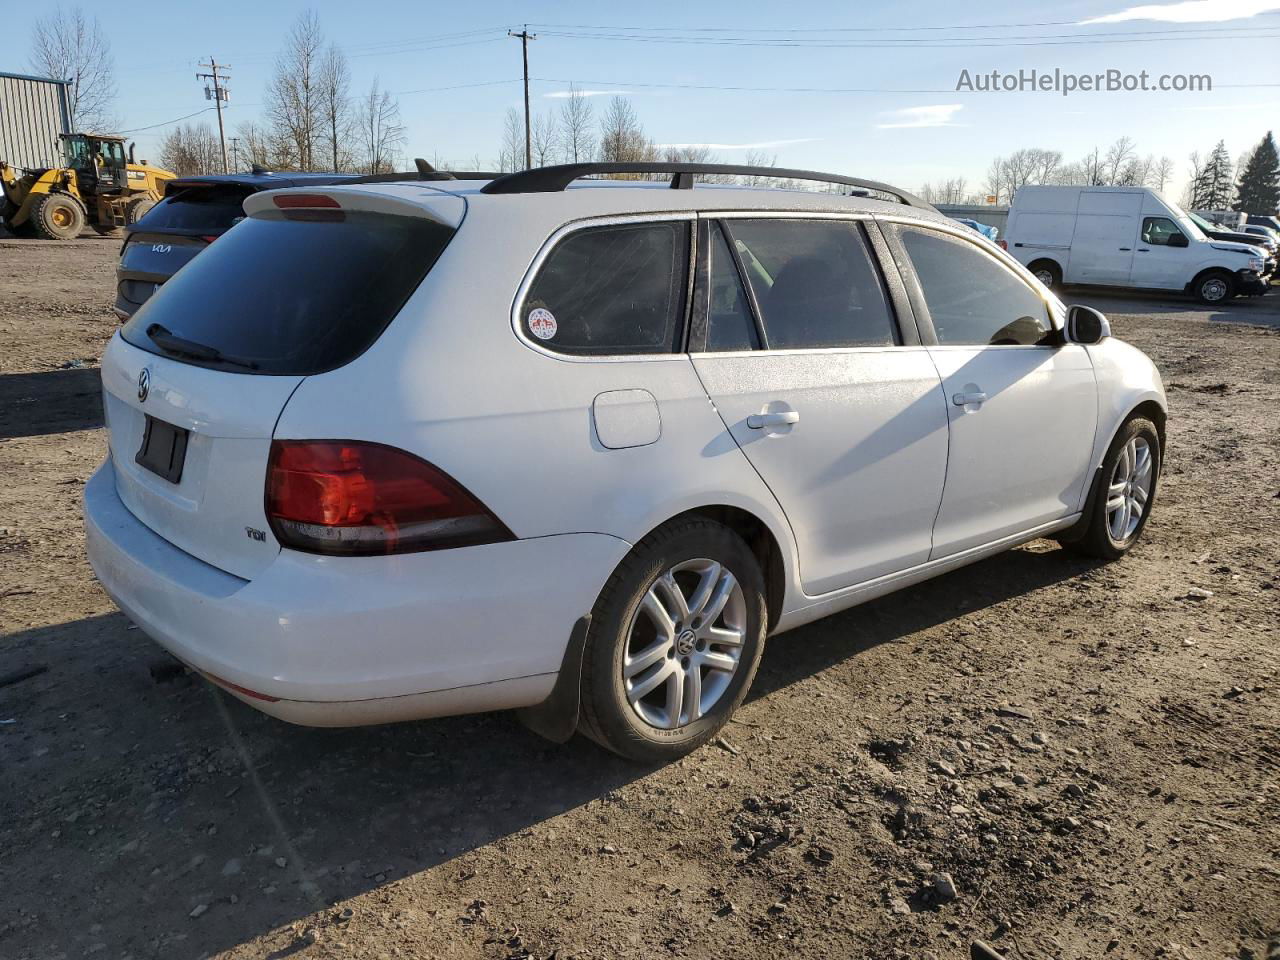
(445, 209)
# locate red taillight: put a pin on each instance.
(353, 498)
(209, 239)
(1002, 244)
(290, 201)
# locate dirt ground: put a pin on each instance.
(1089, 754)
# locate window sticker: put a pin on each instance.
(542, 323)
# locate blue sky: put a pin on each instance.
(899, 119)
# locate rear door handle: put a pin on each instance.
(1125, 249)
(783, 418)
(964, 399)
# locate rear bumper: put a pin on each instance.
(330, 641)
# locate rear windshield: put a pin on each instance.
(293, 297)
(198, 208)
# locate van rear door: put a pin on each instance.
(1106, 233)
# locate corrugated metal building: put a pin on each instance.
(33, 111)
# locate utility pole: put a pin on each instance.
(525, 36)
(235, 153)
(218, 94)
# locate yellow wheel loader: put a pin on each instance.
(96, 186)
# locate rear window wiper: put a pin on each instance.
(181, 346)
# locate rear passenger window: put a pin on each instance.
(973, 299)
(611, 290)
(815, 283)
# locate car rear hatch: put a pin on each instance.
(197, 379)
(193, 214)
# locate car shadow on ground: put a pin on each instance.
(1258, 311)
(153, 799)
(51, 401)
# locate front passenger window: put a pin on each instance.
(1157, 231)
(972, 298)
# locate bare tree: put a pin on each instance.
(382, 135)
(1119, 155)
(995, 182)
(758, 158)
(334, 109)
(69, 46)
(511, 155)
(1162, 173)
(1091, 169)
(256, 144)
(622, 138)
(544, 140)
(293, 95)
(575, 122)
(191, 150)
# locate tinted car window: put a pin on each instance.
(730, 325)
(815, 283)
(1158, 230)
(198, 208)
(611, 290)
(292, 296)
(972, 299)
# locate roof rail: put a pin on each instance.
(556, 178)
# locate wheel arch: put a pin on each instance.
(1204, 272)
(1045, 261)
(762, 541)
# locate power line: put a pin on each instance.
(785, 30)
(165, 123)
(956, 43)
(623, 84)
(219, 94)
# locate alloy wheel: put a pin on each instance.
(1129, 490)
(684, 643)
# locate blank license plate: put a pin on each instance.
(163, 449)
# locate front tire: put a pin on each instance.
(675, 640)
(1214, 287)
(58, 216)
(1126, 493)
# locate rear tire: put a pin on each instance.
(1047, 272)
(1214, 287)
(662, 673)
(136, 209)
(58, 216)
(1125, 494)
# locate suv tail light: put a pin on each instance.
(352, 498)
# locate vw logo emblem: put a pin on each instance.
(144, 385)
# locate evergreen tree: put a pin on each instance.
(1213, 186)
(1259, 189)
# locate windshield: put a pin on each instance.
(1190, 222)
(284, 296)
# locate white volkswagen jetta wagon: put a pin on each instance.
(407, 448)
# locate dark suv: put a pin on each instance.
(195, 211)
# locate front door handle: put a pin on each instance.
(1125, 249)
(783, 418)
(964, 399)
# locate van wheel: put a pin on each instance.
(1125, 495)
(1215, 286)
(675, 640)
(1047, 272)
(58, 216)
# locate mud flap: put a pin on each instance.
(556, 718)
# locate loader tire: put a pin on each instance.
(136, 209)
(58, 216)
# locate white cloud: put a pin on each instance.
(934, 115)
(1189, 11)
(761, 145)
(566, 94)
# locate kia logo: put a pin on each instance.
(144, 385)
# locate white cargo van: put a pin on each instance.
(1126, 237)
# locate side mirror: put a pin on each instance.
(1178, 240)
(1086, 325)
